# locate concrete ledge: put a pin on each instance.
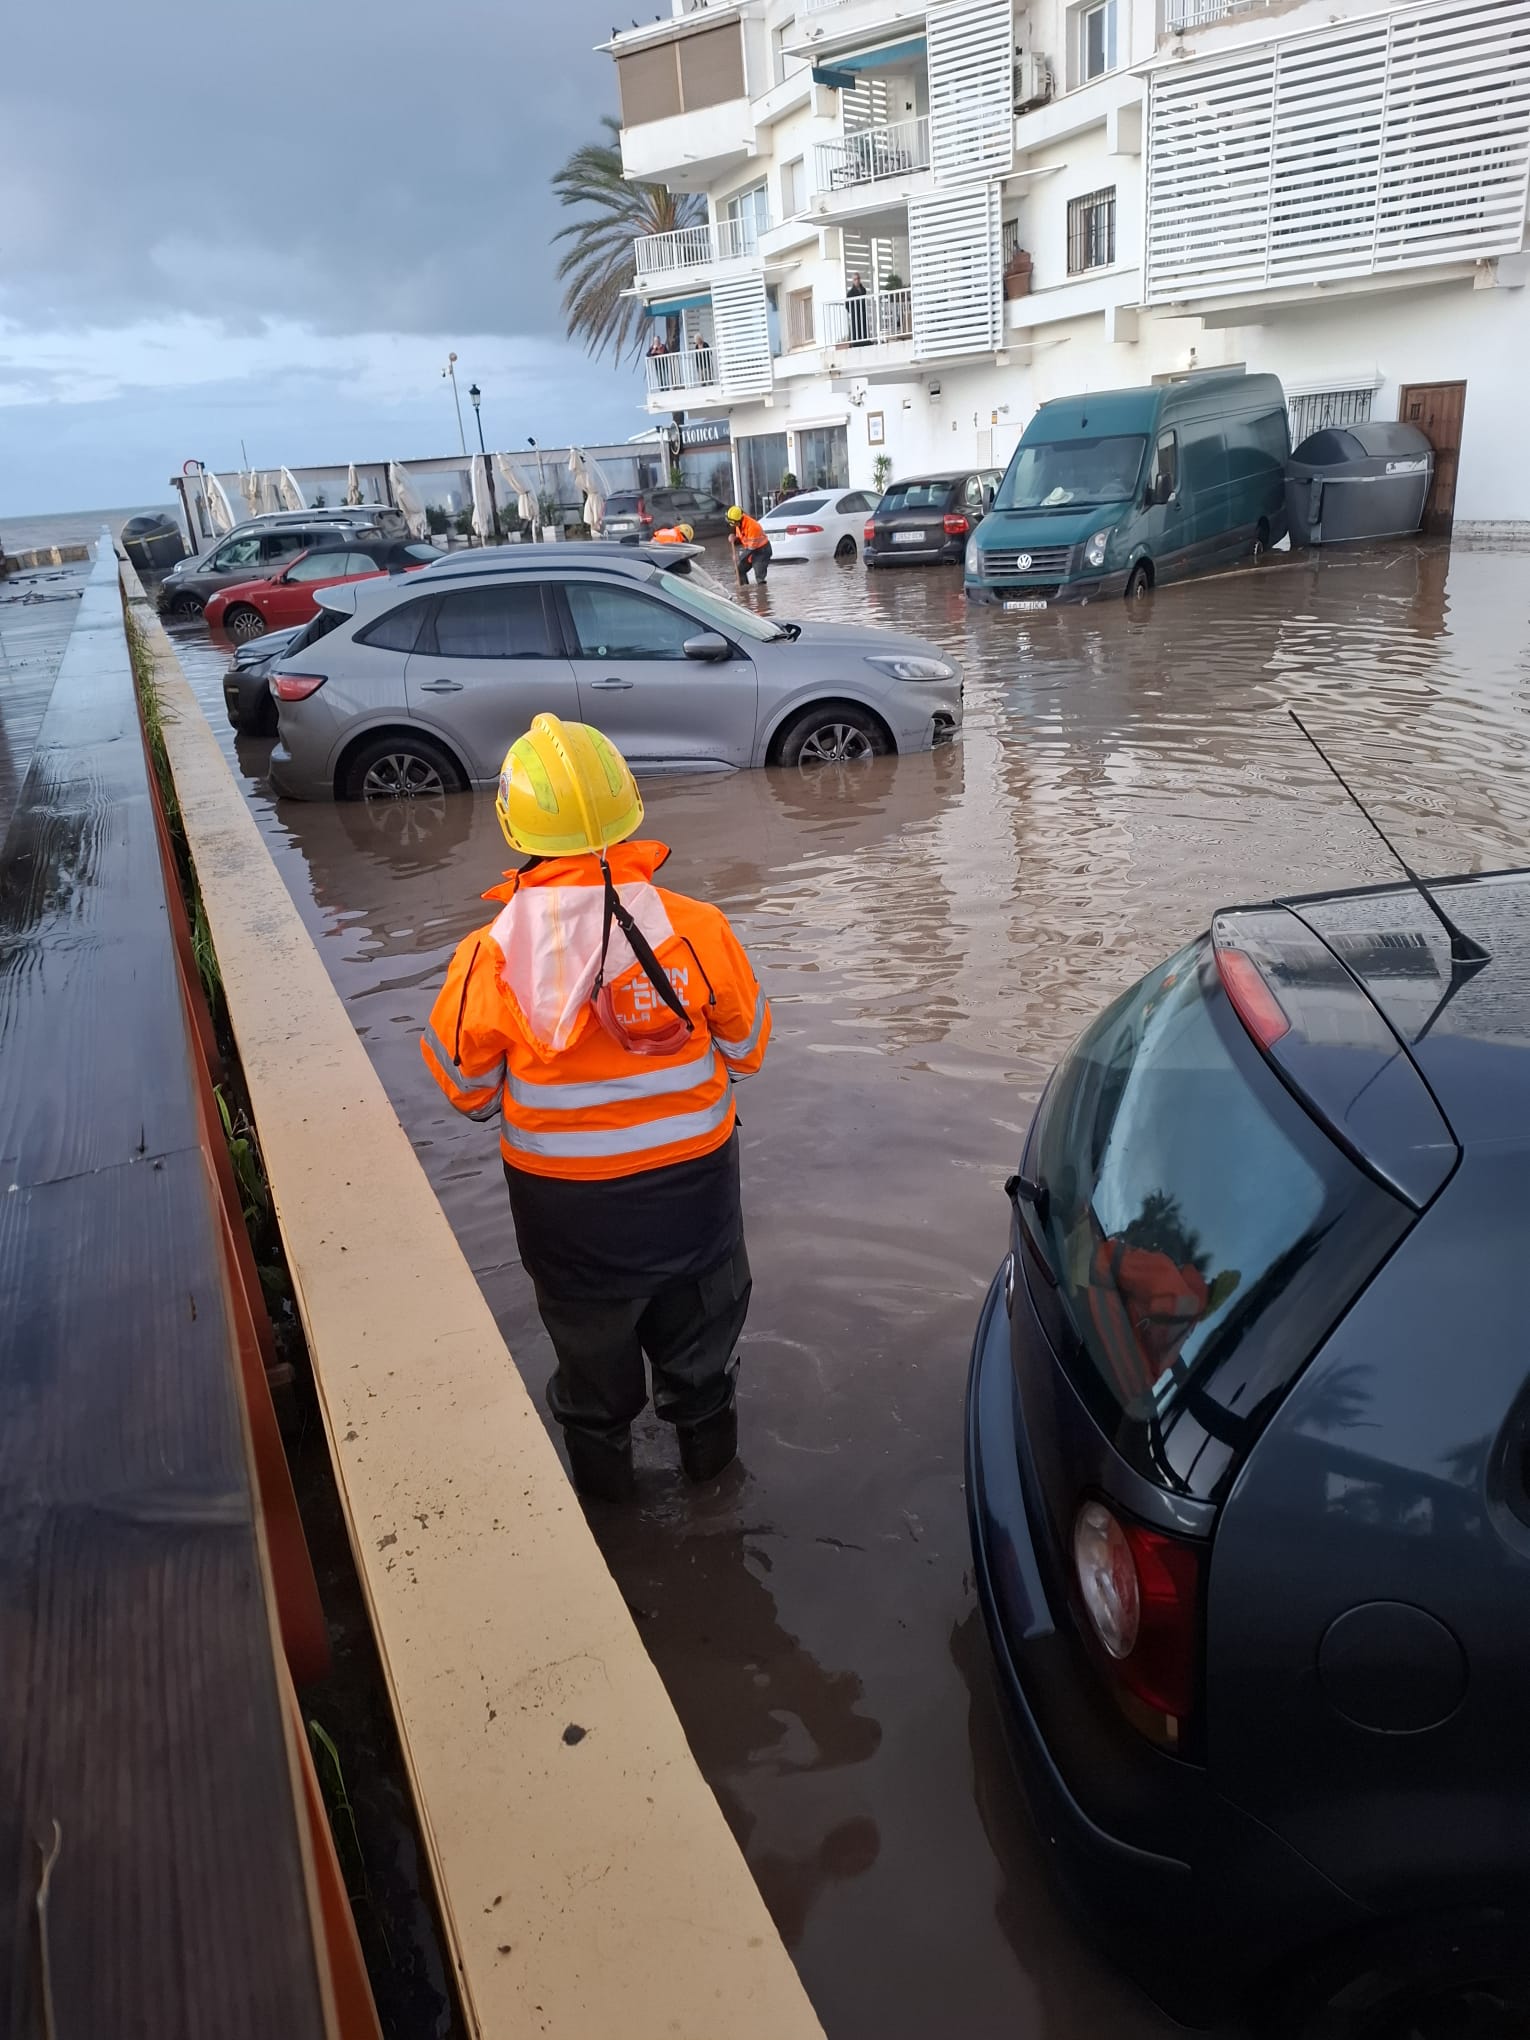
(42, 556)
(587, 1880)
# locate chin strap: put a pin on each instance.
(653, 970)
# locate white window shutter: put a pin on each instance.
(954, 271)
(742, 329)
(1387, 143)
(971, 59)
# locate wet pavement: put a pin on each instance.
(932, 931)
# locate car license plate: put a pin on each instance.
(1025, 605)
(908, 538)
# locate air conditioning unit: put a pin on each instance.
(1033, 80)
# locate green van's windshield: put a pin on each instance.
(1063, 474)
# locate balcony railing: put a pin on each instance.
(688, 368)
(697, 247)
(1178, 16)
(873, 155)
(870, 321)
(817, 6)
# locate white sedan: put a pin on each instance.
(819, 524)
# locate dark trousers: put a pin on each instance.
(689, 1332)
(757, 557)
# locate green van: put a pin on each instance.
(1112, 493)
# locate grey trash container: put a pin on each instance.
(153, 543)
(1358, 481)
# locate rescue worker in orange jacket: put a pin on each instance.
(675, 534)
(751, 545)
(603, 1021)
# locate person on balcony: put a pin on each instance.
(701, 352)
(858, 309)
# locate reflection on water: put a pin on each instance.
(932, 931)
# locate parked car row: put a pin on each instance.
(266, 545)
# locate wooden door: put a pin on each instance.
(1437, 410)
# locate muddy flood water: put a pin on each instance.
(931, 932)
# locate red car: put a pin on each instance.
(250, 608)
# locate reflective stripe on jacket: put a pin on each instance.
(513, 1032)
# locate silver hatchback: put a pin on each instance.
(418, 686)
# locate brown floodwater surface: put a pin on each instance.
(932, 931)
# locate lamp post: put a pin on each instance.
(475, 398)
(541, 485)
(451, 370)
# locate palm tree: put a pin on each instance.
(598, 264)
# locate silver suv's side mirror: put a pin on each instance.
(708, 644)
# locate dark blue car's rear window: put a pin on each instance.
(1200, 1231)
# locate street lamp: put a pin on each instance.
(475, 397)
(541, 483)
(451, 370)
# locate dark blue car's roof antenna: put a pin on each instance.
(1466, 955)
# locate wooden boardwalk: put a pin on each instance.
(157, 1857)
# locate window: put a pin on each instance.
(420, 552)
(823, 457)
(794, 189)
(1050, 474)
(649, 84)
(749, 212)
(973, 495)
(330, 566)
(711, 67)
(1201, 1230)
(286, 540)
(785, 66)
(621, 623)
(915, 496)
(1096, 40)
(398, 631)
(1091, 231)
(716, 612)
(1009, 243)
(1310, 413)
(1166, 465)
(799, 318)
(857, 504)
(240, 552)
(507, 622)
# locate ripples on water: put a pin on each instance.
(932, 930)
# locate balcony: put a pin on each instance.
(688, 369)
(861, 163)
(884, 318)
(1183, 17)
(695, 250)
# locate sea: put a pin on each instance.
(71, 527)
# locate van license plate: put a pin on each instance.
(908, 538)
(1025, 605)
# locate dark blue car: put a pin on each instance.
(1248, 1445)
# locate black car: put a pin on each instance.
(262, 547)
(928, 517)
(637, 513)
(1248, 1466)
(246, 694)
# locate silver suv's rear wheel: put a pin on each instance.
(400, 766)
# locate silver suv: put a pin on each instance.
(419, 686)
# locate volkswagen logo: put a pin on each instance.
(1023, 562)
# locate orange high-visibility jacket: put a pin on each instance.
(749, 534)
(513, 1032)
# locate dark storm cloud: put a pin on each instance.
(355, 167)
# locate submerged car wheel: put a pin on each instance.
(1139, 583)
(837, 733)
(1466, 1980)
(400, 766)
(1261, 541)
(243, 623)
(845, 550)
(184, 607)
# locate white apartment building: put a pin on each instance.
(1041, 197)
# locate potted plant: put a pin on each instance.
(1017, 274)
(881, 473)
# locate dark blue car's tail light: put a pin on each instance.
(1141, 1593)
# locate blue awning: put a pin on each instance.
(673, 305)
(841, 72)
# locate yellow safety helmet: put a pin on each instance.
(563, 789)
(735, 515)
(686, 531)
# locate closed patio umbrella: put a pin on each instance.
(292, 495)
(520, 487)
(249, 488)
(219, 508)
(352, 484)
(407, 499)
(270, 494)
(596, 487)
(483, 505)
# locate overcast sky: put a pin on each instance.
(272, 222)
